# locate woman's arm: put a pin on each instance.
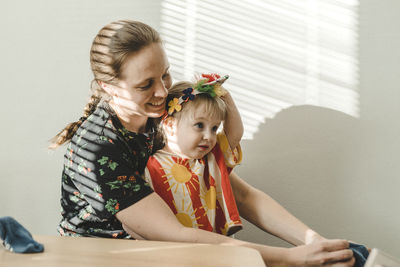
(233, 126)
(152, 219)
(267, 214)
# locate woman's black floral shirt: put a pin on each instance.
(103, 168)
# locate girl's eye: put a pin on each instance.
(199, 125)
(215, 128)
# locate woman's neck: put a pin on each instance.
(133, 123)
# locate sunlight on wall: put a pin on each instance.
(279, 53)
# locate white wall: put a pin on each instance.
(44, 63)
(337, 173)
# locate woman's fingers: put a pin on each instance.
(348, 263)
(331, 252)
(334, 252)
(334, 244)
(339, 256)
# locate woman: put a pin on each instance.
(103, 193)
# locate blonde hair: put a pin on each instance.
(110, 49)
(214, 106)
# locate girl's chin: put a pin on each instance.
(200, 155)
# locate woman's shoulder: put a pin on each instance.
(97, 128)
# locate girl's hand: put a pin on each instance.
(233, 125)
(322, 253)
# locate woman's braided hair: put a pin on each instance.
(110, 48)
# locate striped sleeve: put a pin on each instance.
(232, 157)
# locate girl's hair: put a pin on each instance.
(214, 106)
(109, 51)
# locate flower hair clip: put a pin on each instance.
(207, 84)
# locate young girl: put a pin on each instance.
(191, 172)
(103, 193)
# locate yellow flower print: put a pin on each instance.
(174, 105)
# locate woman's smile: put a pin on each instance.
(157, 104)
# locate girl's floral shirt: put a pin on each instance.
(103, 169)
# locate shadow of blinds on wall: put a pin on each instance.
(278, 53)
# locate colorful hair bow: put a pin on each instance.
(188, 94)
(207, 84)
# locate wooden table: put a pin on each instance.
(84, 251)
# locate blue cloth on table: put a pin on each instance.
(16, 238)
(360, 253)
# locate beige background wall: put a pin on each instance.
(337, 173)
(44, 62)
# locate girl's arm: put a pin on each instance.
(267, 214)
(152, 219)
(233, 126)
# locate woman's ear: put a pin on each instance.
(110, 90)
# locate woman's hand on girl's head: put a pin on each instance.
(332, 252)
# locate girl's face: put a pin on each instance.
(193, 136)
(144, 83)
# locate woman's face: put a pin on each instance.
(144, 83)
